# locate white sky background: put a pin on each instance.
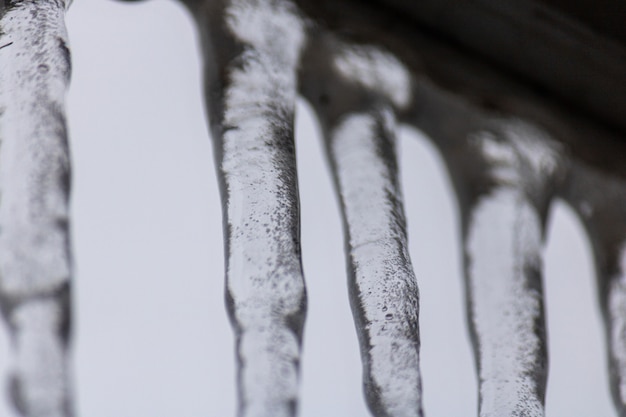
(151, 336)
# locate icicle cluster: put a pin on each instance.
(506, 163)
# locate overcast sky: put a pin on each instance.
(151, 335)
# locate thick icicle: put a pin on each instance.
(35, 263)
(251, 90)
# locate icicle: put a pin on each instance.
(502, 248)
(503, 241)
(35, 264)
(253, 130)
(354, 91)
(383, 289)
(615, 318)
(599, 198)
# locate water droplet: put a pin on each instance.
(384, 308)
(389, 316)
(43, 68)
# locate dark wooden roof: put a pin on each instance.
(606, 17)
(575, 50)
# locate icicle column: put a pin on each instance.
(252, 49)
(503, 238)
(383, 288)
(355, 92)
(35, 265)
(599, 199)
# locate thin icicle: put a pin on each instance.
(616, 310)
(383, 287)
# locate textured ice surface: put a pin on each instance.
(265, 282)
(34, 161)
(503, 248)
(503, 244)
(377, 71)
(385, 289)
(617, 312)
(41, 366)
(34, 183)
(518, 154)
